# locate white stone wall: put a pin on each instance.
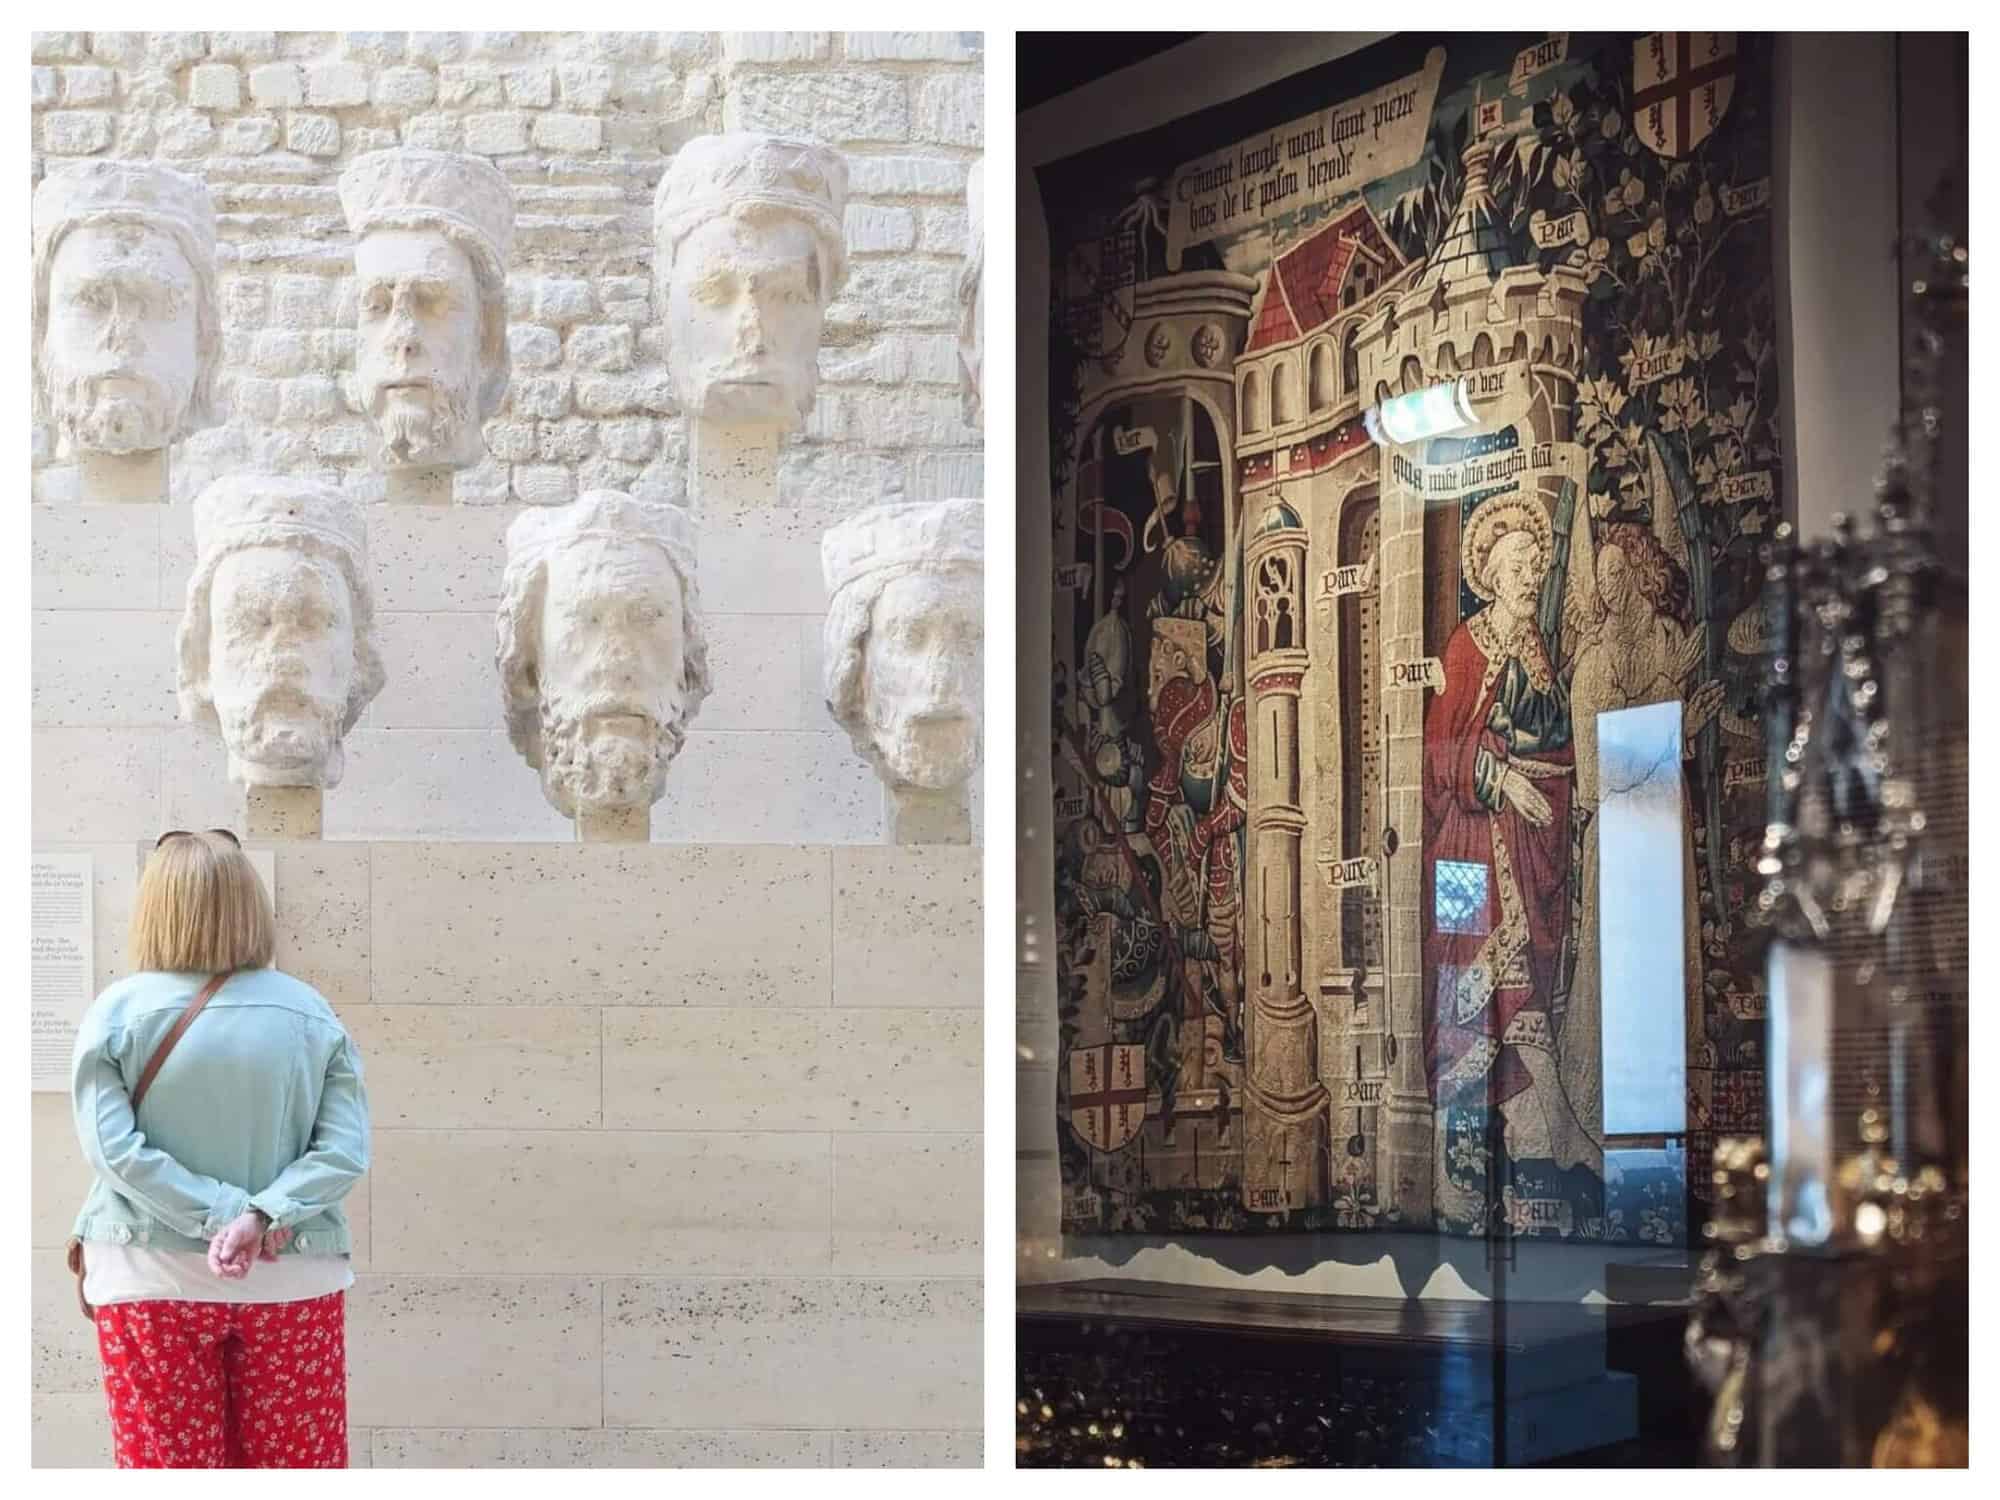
(582, 124)
(677, 1152)
(677, 1146)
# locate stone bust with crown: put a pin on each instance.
(127, 325)
(433, 231)
(905, 645)
(602, 653)
(749, 248)
(277, 646)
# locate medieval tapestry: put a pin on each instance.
(1357, 743)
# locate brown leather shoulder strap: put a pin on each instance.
(167, 1042)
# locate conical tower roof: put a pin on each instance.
(1474, 243)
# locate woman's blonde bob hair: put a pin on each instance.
(202, 910)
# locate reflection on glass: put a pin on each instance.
(1645, 1193)
(1640, 829)
(1802, 1152)
(1461, 896)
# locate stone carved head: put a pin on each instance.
(749, 248)
(602, 653)
(905, 642)
(277, 643)
(128, 329)
(433, 231)
(972, 299)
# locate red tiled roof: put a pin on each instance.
(1274, 323)
(1307, 277)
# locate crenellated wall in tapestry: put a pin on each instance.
(1333, 789)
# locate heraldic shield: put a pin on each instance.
(1100, 287)
(1682, 82)
(1107, 1093)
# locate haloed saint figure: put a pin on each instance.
(1497, 846)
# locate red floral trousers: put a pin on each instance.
(226, 1385)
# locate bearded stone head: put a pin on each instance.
(749, 250)
(602, 652)
(905, 641)
(433, 231)
(277, 642)
(127, 328)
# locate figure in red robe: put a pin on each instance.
(1496, 851)
(1197, 803)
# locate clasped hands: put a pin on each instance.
(246, 1239)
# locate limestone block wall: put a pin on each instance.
(582, 124)
(677, 1145)
(677, 1152)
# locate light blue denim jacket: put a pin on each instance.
(260, 1105)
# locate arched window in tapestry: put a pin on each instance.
(1284, 394)
(1319, 386)
(1277, 624)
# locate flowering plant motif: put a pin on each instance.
(1663, 254)
(1350, 1211)
(1470, 1154)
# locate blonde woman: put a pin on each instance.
(221, 1104)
